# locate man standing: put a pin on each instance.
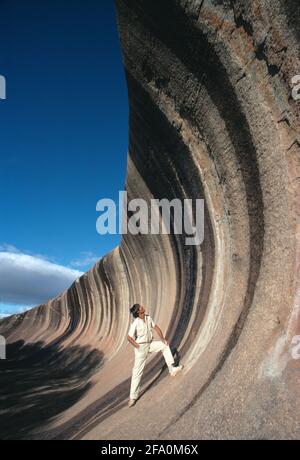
(140, 335)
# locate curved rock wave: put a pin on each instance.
(212, 116)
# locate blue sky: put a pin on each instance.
(63, 142)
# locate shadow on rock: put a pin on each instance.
(39, 382)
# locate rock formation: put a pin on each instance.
(213, 116)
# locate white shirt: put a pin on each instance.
(140, 330)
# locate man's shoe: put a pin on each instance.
(175, 369)
(131, 402)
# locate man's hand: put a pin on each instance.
(166, 342)
(133, 342)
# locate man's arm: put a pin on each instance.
(131, 334)
(158, 330)
(133, 342)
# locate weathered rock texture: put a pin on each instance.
(212, 115)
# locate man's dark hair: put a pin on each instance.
(135, 310)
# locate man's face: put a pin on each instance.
(141, 310)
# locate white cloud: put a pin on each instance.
(31, 280)
(87, 258)
(8, 248)
(12, 309)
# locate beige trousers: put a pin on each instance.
(141, 354)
